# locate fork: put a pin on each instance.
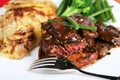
(63, 63)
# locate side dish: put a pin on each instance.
(100, 10)
(20, 27)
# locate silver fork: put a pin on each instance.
(63, 63)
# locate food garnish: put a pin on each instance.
(72, 23)
(97, 9)
(100, 5)
(77, 26)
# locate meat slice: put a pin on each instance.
(82, 20)
(109, 34)
(60, 40)
(82, 47)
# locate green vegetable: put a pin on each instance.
(92, 28)
(98, 6)
(100, 12)
(51, 20)
(107, 12)
(89, 8)
(62, 22)
(107, 15)
(95, 9)
(75, 6)
(62, 7)
(71, 21)
(110, 11)
(77, 26)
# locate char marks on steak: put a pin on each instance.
(61, 40)
(82, 47)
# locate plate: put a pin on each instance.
(18, 69)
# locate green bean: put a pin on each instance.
(75, 25)
(98, 6)
(106, 13)
(62, 7)
(110, 11)
(92, 28)
(100, 12)
(79, 26)
(60, 22)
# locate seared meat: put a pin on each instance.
(61, 40)
(88, 35)
(82, 47)
(82, 20)
(109, 34)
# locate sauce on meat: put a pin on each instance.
(82, 47)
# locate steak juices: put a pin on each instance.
(82, 47)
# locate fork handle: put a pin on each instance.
(99, 75)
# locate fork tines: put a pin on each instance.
(44, 63)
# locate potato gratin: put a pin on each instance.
(20, 27)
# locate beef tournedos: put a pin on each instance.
(82, 47)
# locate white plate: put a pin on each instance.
(18, 69)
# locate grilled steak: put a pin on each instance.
(82, 47)
(109, 34)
